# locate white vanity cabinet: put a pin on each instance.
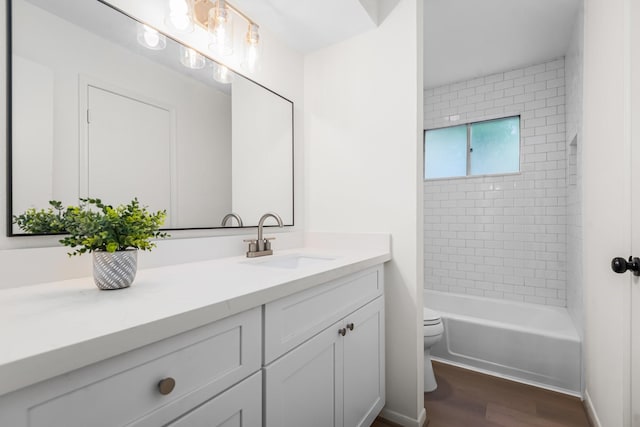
(309, 353)
(324, 354)
(126, 390)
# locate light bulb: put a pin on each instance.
(222, 74)
(252, 49)
(191, 59)
(181, 22)
(252, 57)
(150, 38)
(221, 35)
(179, 16)
(220, 26)
(179, 7)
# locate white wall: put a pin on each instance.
(502, 236)
(363, 124)
(281, 71)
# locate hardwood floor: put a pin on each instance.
(469, 399)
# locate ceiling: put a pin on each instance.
(463, 39)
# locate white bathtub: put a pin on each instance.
(530, 343)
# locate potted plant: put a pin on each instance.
(112, 235)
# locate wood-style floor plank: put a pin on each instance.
(509, 417)
(470, 399)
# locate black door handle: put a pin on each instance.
(621, 265)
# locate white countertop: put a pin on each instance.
(53, 328)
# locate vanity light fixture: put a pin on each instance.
(151, 38)
(216, 16)
(191, 59)
(179, 17)
(222, 74)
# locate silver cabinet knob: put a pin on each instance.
(166, 385)
(342, 331)
(350, 326)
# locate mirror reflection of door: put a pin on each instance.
(128, 150)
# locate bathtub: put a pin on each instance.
(530, 343)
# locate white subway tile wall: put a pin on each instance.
(502, 236)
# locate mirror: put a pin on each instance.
(94, 113)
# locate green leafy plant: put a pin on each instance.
(95, 226)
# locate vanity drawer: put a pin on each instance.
(292, 320)
(240, 406)
(125, 390)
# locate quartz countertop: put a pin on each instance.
(53, 328)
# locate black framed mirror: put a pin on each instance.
(101, 105)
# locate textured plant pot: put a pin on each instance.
(115, 270)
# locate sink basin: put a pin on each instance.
(291, 262)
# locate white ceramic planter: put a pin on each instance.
(115, 270)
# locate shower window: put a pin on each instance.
(480, 148)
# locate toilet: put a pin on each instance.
(433, 330)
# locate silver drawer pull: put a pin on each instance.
(342, 331)
(166, 385)
(350, 326)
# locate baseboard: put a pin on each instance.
(591, 411)
(403, 420)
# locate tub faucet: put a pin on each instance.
(228, 216)
(262, 246)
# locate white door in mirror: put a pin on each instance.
(125, 136)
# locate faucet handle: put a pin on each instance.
(253, 244)
(267, 243)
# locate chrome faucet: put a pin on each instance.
(228, 216)
(262, 246)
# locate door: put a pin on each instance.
(611, 209)
(634, 49)
(128, 150)
(364, 385)
(304, 387)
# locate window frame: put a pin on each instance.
(468, 126)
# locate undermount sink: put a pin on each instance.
(291, 262)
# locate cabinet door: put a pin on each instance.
(240, 406)
(364, 386)
(304, 387)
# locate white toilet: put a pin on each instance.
(433, 330)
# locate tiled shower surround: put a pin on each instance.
(502, 236)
